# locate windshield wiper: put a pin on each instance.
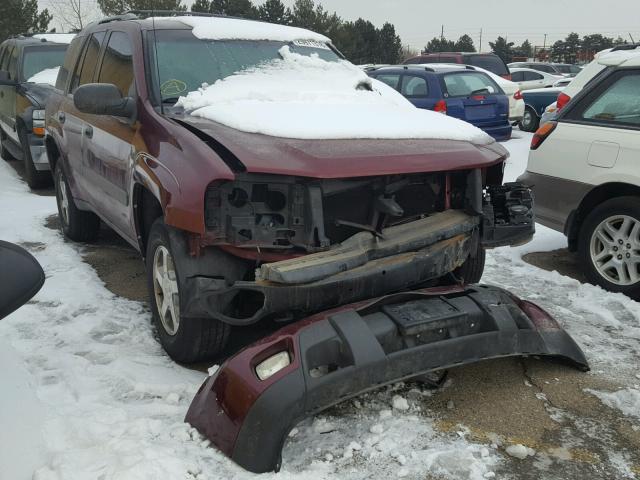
(479, 91)
(171, 100)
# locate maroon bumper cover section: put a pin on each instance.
(344, 352)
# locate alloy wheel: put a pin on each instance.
(165, 289)
(615, 249)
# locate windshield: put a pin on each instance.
(37, 59)
(185, 62)
(464, 84)
(568, 68)
(492, 63)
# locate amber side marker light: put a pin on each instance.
(541, 134)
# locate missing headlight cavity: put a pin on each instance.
(311, 215)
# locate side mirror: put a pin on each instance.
(103, 99)
(4, 78)
(21, 277)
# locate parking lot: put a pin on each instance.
(461, 430)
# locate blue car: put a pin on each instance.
(536, 101)
(460, 92)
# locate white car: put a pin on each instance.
(528, 79)
(583, 169)
(510, 89)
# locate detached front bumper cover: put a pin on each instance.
(342, 353)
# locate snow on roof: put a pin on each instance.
(56, 37)
(221, 28)
(619, 57)
(306, 97)
(48, 75)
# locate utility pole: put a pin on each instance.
(544, 47)
(480, 49)
(632, 41)
(442, 34)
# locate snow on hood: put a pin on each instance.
(48, 76)
(56, 37)
(220, 28)
(309, 98)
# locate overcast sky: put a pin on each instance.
(418, 21)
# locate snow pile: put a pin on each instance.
(309, 98)
(220, 28)
(56, 37)
(626, 400)
(520, 451)
(48, 76)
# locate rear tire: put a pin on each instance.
(609, 251)
(530, 120)
(77, 225)
(35, 179)
(472, 269)
(186, 340)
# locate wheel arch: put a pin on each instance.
(596, 196)
(146, 209)
(53, 152)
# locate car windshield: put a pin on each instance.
(185, 62)
(568, 68)
(37, 59)
(464, 84)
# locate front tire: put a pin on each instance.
(35, 179)
(186, 340)
(609, 245)
(472, 269)
(530, 120)
(76, 224)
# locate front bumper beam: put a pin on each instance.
(343, 353)
(362, 267)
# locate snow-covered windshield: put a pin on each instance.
(185, 63)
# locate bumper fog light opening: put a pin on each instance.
(272, 365)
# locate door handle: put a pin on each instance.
(88, 131)
(61, 117)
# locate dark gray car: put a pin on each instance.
(22, 101)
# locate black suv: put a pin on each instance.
(22, 100)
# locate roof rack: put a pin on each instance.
(143, 14)
(627, 46)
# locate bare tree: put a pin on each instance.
(74, 15)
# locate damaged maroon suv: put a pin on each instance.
(238, 224)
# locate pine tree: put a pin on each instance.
(465, 44)
(389, 44)
(22, 16)
(440, 45)
(201, 6)
(274, 11)
(117, 7)
(304, 14)
(502, 48)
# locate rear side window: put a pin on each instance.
(619, 103)
(117, 64)
(413, 86)
(464, 84)
(415, 60)
(448, 59)
(390, 79)
(493, 63)
(543, 68)
(528, 76)
(69, 62)
(86, 68)
(5, 58)
(517, 77)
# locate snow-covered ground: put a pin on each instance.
(87, 393)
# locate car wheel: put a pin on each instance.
(4, 152)
(530, 120)
(186, 340)
(35, 179)
(609, 245)
(76, 224)
(472, 269)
